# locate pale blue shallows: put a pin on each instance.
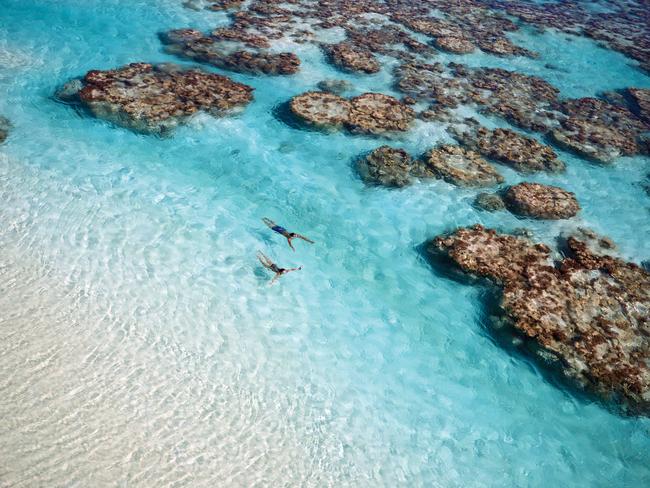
(140, 345)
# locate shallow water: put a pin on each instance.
(140, 345)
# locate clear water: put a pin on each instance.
(140, 345)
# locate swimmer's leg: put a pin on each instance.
(266, 262)
(268, 222)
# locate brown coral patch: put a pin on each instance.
(541, 201)
(376, 113)
(154, 99)
(321, 109)
(461, 167)
(590, 311)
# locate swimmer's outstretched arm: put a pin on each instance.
(299, 236)
(277, 275)
(290, 245)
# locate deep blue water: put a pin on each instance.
(140, 345)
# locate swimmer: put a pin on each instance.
(268, 264)
(284, 232)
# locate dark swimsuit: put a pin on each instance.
(279, 229)
(275, 269)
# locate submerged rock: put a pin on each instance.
(351, 57)
(386, 166)
(541, 201)
(155, 98)
(224, 4)
(438, 113)
(213, 4)
(589, 312)
(461, 167)
(593, 141)
(595, 243)
(490, 202)
(640, 103)
(623, 26)
(598, 130)
(370, 113)
(506, 146)
(5, 126)
(526, 101)
(232, 50)
(464, 27)
(338, 87)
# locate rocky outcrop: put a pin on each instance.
(155, 98)
(370, 113)
(5, 126)
(386, 166)
(587, 314)
(231, 50)
(351, 57)
(376, 113)
(321, 109)
(541, 201)
(461, 167)
(454, 44)
(506, 146)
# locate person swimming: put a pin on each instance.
(284, 232)
(270, 265)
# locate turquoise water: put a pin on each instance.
(140, 345)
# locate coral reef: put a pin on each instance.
(541, 201)
(598, 130)
(464, 26)
(454, 44)
(624, 26)
(589, 312)
(526, 101)
(231, 50)
(376, 113)
(461, 167)
(640, 102)
(370, 113)
(338, 87)
(155, 98)
(215, 5)
(506, 146)
(490, 202)
(349, 57)
(321, 109)
(386, 166)
(591, 127)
